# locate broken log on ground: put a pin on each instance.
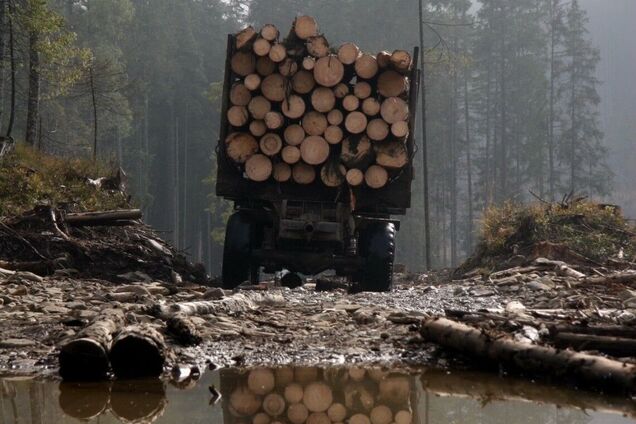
(184, 330)
(138, 351)
(86, 356)
(237, 303)
(595, 371)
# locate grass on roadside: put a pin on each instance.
(29, 178)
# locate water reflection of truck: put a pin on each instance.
(310, 228)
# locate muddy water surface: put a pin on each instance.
(300, 395)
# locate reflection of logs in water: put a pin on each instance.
(129, 401)
(84, 401)
(316, 396)
(138, 401)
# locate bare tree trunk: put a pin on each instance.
(489, 165)
(503, 164)
(184, 233)
(469, 170)
(13, 72)
(33, 104)
(551, 173)
(2, 58)
(94, 103)
(424, 147)
(573, 129)
(453, 171)
(176, 185)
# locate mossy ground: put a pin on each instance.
(29, 178)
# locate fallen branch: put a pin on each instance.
(616, 278)
(86, 356)
(236, 303)
(615, 346)
(596, 371)
(102, 218)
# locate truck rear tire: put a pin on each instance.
(238, 264)
(377, 246)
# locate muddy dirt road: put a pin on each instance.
(278, 326)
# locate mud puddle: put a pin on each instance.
(309, 395)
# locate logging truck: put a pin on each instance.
(315, 150)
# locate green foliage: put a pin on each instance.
(62, 61)
(597, 232)
(29, 178)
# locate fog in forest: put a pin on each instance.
(526, 99)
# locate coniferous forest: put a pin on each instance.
(512, 101)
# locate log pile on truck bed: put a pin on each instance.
(301, 110)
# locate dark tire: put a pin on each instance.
(237, 249)
(377, 246)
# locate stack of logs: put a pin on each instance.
(300, 109)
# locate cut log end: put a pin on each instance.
(270, 32)
(356, 122)
(314, 123)
(318, 46)
(83, 359)
(265, 66)
(258, 128)
(378, 129)
(305, 27)
(294, 135)
(401, 60)
(252, 82)
(376, 177)
(392, 84)
(273, 87)
(392, 155)
(366, 66)
(323, 100)
(314, 150)
(240, 95)
(332, 174)
(362, 90)
(328, 71)
(240, 146)
(271, 144)
(243, 63)
(348, 53)
(355, 177)
(278, 53)
(237, 116)
(294, 107)
(335, 117)
(258, 168)
(138, 351)
(245, 37)
(258, 107)
(303, 82)
(394, 110)
(282, 172)
(261, 47)
(350, 103)
(291, 154)
(303, 173)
